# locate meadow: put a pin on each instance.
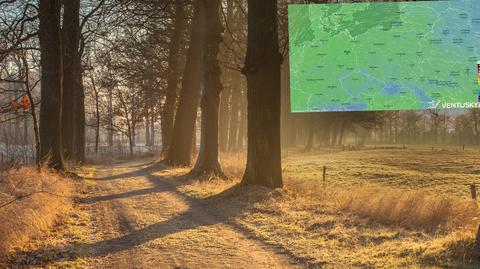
(379, 207)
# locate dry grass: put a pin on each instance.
(414, 210)
(417, 209)
(379, 208)
(38, 201)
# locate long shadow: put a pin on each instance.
(201, 211)
(153, 167)
(91, 200)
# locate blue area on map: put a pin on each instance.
(391, 89)
(353, 93)
(476, 21)
(351, 107)
(421, 94)
(454, 27)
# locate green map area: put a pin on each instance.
(384, 56)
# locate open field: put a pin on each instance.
(443, 170)
(371, 213)
(383, 207)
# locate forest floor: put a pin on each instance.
(383, 207)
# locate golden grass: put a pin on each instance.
(418, 209)
(415, 210)
(40, 200)
(379, 208)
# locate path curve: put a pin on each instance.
(146, 223)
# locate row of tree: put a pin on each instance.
(117, 68)
(118, 46)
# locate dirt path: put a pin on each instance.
(145, 223)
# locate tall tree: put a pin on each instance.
(180, 149)
(233, 23)
(79, 114)
(71, 34)
(262, 69)
(51, 84)
(207, 161)
(168, 111)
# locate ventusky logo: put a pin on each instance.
(463, 105)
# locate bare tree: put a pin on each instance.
(207, 161)
(180, 148)
(171, 92)
(262, 69)
(51, 84)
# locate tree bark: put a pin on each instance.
(207, 161)
(71, 34)
(97, 114)
(224, 118)
(288, 122)
(168, 111)
(226, 95)
(242, 127)
(180, 149)
(311, 134)
(235, 102)
(147, 130)
(51, 84)
(262, 68)
(79, 112)
(33, 112)
(110, 119)
(152, 128)
(342, 132)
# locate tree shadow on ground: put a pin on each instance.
(146, 168)
(200, 213)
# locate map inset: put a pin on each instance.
(384, 56)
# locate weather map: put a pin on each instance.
(384, 56)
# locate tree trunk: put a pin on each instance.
(180, 149)
(234, 115)
(131, 136)
(51, 84)
(342, 132)
(134, 133)
(97, 115)
(79, 125)
(242, 127)
(110, 119)
(311, 134)
(33, 112)
(147, 130)
(288, 128)
(207, 161)
(71, 34)
(225, 97)
(168, 111)
(262, 68)
(152, 128)
(224, 118)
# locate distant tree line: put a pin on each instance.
(115, 70)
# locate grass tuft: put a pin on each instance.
(33, 201)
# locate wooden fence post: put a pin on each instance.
(324, 175)
(473, 191)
